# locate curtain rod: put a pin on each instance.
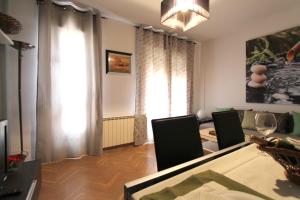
(76, 6)
(73, 5)
(87, 9)
(157, 30)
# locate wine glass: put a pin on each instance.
(265, 123)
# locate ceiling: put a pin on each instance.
(225, 15)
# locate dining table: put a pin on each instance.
(242, 164)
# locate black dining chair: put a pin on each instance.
(228, 128)
(176, 140)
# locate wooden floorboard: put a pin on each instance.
(94, 177)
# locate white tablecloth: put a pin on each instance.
(247, 166)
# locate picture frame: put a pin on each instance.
(118, 62)
(273, 68)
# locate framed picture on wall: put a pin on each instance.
(273, 68)
(119, 62)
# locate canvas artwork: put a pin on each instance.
(118, 62)
(273, 68)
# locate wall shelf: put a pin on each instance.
(4, 39)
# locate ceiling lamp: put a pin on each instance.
(184, 14)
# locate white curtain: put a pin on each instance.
(164, 78)
(69, 110)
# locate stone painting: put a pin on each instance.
(273, 68)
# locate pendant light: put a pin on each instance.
(184, 14)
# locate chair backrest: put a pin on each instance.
(176, 140)
(228, 128)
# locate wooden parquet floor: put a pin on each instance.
(100, 178)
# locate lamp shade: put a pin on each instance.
(22, 45)
(9, 25)
(4, 39)
(184, 14)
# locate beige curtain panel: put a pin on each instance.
(69, 110)
(164, 78)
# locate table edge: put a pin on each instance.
(134, 186)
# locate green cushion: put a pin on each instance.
(296, 119)
(249, 120)
(223, 109)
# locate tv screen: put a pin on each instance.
(3, 155)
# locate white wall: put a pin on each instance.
(118, 88)
(2, 72)
(2, 84)
(223, 63)
(26, 11)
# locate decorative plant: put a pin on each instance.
(261, 53)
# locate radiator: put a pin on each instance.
(117, 131)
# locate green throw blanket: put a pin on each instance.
(196, 181)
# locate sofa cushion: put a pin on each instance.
(296, 119)
(290, 125)
(223, 109)
(282, 120)
(241, 114)
(249, 120)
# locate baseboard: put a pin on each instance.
(118, 146)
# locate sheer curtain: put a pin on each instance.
(69, 110)
(164, 78)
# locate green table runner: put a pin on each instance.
(196, 181)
